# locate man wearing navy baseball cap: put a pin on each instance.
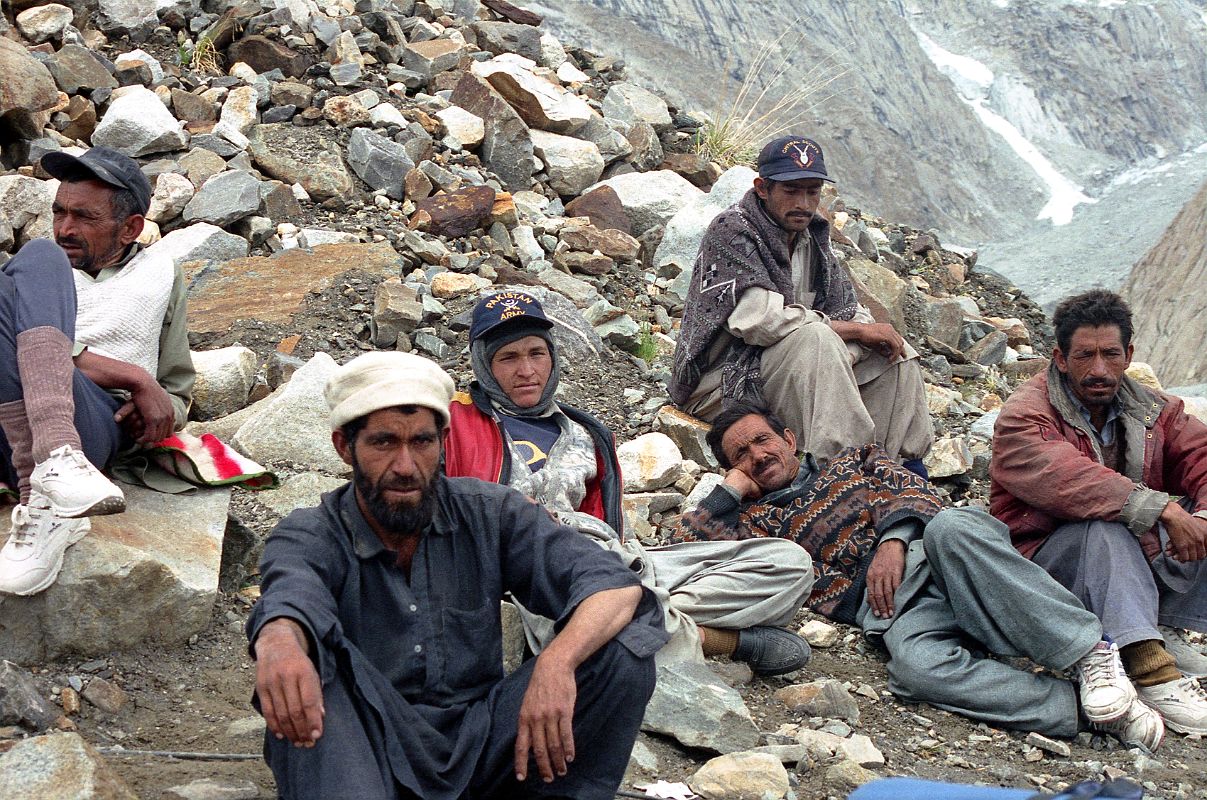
(720, 598)
(772, 316)
(94, 357)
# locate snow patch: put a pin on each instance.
(973, 80)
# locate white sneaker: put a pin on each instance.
(1191, 660)
(74, 486)
(1106, 692)
(33, 556)
(1140, 726)
(1181, 702)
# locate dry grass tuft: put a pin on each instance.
(775, 98)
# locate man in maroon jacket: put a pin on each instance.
(1087, 468)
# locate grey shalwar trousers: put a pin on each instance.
(348, 762)
(1102, 563)
(968, 592)
(37, 290)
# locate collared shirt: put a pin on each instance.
(175, 373)
(425, 652)
(1106, 436)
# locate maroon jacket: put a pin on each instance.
(1047, 467)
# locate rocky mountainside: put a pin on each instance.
(1166, 290)
(351, 177)
(935, 97)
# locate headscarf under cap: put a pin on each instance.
(482, 352)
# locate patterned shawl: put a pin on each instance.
(742, 249)
(838, 515)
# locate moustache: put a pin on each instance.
(1094, 383)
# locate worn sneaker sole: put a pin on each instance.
(113, 504)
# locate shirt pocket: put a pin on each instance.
(473, 648)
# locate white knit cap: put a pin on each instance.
(378, 380)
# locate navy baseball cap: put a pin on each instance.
(791, 158)
(506, 308)
(104, 164)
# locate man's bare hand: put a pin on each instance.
(546, 720)
(148, 415)
(291, 695)
(884, 339)
(1187, 534)
(742, 483)
(884, 576)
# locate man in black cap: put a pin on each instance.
(94, 355)
(772, 315)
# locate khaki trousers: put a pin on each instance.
(830, 403)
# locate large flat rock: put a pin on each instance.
(273, 289)
(150, 574)
(59, 766)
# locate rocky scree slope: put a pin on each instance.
(353, 178)
(1097, 88)
(1166, 289)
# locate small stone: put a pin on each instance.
(210, 789)
(819, 634)
(741, 776)
(107, 696)
(648, 462)
(847, 775)
(825, 698)
(454, 284)
(859, 748)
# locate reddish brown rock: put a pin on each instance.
(586, 263)
(416, 185)
(82, 114)
(925, 243)
(612, 243)
(274, 289)
(264, 55)
(504, 210)
(458, 212)
(192, 108)
(602, 206)
(513, 13)
(696, 168)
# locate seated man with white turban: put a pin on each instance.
(377, 634)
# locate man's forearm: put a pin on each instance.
(596, 620)
(847, 331)
(109, 373)
(281, 630)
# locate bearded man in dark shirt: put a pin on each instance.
(378, 637)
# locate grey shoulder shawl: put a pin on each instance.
(743, 249)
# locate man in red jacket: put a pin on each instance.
(1087, 466)
(720, 598)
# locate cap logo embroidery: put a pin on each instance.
(802, 152)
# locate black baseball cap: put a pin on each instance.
(506, 308)
(104, 164)
(791, 158)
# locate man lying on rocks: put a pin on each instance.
(94, 356)
(377, 634)
(721, 598)
(932, 585)
(1086, 467)
(772, 314)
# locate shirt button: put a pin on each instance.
(418, 648)
(414, 607)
